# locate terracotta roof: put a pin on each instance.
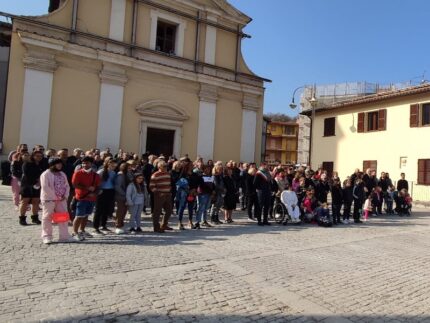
(419, 89)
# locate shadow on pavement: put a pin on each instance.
(171, 317)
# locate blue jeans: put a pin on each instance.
(203, 202)
(181, 200)
(135, 215)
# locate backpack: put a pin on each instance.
(182, 183)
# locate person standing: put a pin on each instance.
(30, 187)
(230, 198)
(105, 204)
(358, 194)
(262, 182)
(121, 183)
(54, 193)
(251, 194)
(135, 201)
(86, 182)
(161, 188)
(219, 193)
(204, 194)
(18, 160)
(336, 200)
(402, 183)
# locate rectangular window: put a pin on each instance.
(372, 121)
(425, 114)
(289, 131)
(372, 164)
(424, 171)
(329, 127)
(328, 167)
(166, 37)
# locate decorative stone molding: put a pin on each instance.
(208, 93)
(44, 63)
(162, 110)
(113, 75)
(250, 102)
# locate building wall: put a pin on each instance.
(348, 148)
(4, 63)
(78, 71)
(279, 146)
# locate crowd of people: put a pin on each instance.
(74, 186)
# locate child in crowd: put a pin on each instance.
(389, 200)
(323, 216)
(368, 208)
(135, 201)
(377, 201)
(309, 205)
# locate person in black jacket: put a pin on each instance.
(251, 193)
(402, 183)
(336, 200)
(322, 188)
(347, 200)
(30, 187)
(262, 183)
(358, 194)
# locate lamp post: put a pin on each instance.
(313, 102)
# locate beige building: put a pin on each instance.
(165, 76)
(386, 131)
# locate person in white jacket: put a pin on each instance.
(54, 193)
(289, 199)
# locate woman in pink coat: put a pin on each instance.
(53, 195)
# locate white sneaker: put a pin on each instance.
(77, 237)
(47, 240)
(345, 221)
(97, 233)
(374, 214)
(119, 231)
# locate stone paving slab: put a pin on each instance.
(374, 272)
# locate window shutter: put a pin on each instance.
(414, 119)
(421, 171)
(360, 123)
(382, 120)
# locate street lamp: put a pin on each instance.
(313, 102)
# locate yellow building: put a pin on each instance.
(162, 76)
(385, 131)
(281, 142)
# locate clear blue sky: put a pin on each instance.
(296, 42)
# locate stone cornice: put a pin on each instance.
(251, 102)
(208, 93)
(113, 77)
(140, 65)
(44, 64)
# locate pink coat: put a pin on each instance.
(47, 192)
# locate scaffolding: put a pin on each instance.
(330, 94)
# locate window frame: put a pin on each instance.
(372, 164)
(328, 126)
(171, 19)
(424, 168)
(380, 121)
(372, 121)
(165, 25)
(421, 112)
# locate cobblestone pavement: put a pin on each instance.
(376, 272)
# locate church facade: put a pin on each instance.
(157, 76)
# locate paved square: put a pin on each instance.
(377, 272)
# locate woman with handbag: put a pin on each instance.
(53, 195)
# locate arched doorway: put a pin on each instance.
(161, 128)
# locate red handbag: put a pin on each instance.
(60, 217)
